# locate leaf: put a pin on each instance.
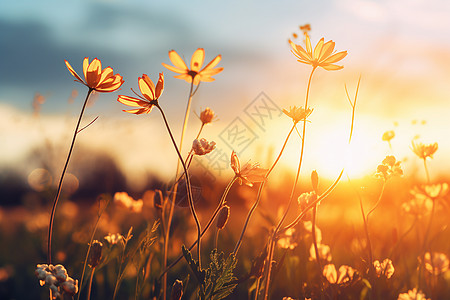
(199, 274)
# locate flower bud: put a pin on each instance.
(177, 290)
(314, 180)
(96, 253)
(202, 146)
(222, 218)
(206, 116)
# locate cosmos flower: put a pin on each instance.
(202, 146)
(412, 295)
(249, 173)
(322, 56)
(389, 167)
(388, 135)
(95, 78)
(124, 200)
(194, 74)
(344, 275)
(207, 116)
(436, 263)
(297, 113)
(424, 151)
(385, 268)
(149, 92)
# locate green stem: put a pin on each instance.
(258, 197)
(90, 284)
(175, 189)
(58, 191)
(188, 185)
(219, 206)
(291, 197)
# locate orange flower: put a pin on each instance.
(249, 173)
(297, 113)
(194, 74)
(149, 92)
(97, 79)
(322, 56)
(424, 151)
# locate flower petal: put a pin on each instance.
(335, 57)
(93, 73)
(159, 86)
(131, 101)
(318, 49)
(72, 71)
(85, 66)
(330, 67)
(174, 69)
(197, 59)
(212, 63)
(147, 87)
(177, 60)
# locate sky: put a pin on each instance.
(400, 49)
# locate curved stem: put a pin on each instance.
(175, 188)
(58, 191)
(90, 284)
(219, 206)
(188, 185)
(291, 197)
(378, 202)
(258, 197)
(316, 249)
(426, 170)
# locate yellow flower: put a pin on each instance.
(385, 268)
(194, 74)
(124, 200)
(322, 56)
(412, 295)
(388, 135)
(390, 167)
(436, 263)
(149, 92)
(207, 116)
(344, 276)
(97, 79)
(202, 146)
(297, 113)
(423, 151)
(249, 173)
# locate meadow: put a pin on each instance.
(264, 233)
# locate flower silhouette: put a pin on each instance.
(149, 92)
(424, 151)
(194, 74)
(249, 173)
(322, 56)
(297, 113)
(95, 78)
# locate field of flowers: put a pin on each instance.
(382, 236)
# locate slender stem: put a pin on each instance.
(58, 191)
(426, 170)
(216, 238)
(376, 204)
(316, 249)
(188, 186)
(90, 284)
(425, 240)
(258, 197)
(100, 213)
(119, 273)
(175, 188)
(291, 197)
(219, 206)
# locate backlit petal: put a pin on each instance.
(147, 87)
(212, 63)
(308, 45)
(131, 101)
(174, 69)
(177, 60)
(85, 66)
(159, 86)
(318, 49)
(93, 73)
(335, 57)
(197, 59)
(327, 49)
(330, 67)
(72, 71)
